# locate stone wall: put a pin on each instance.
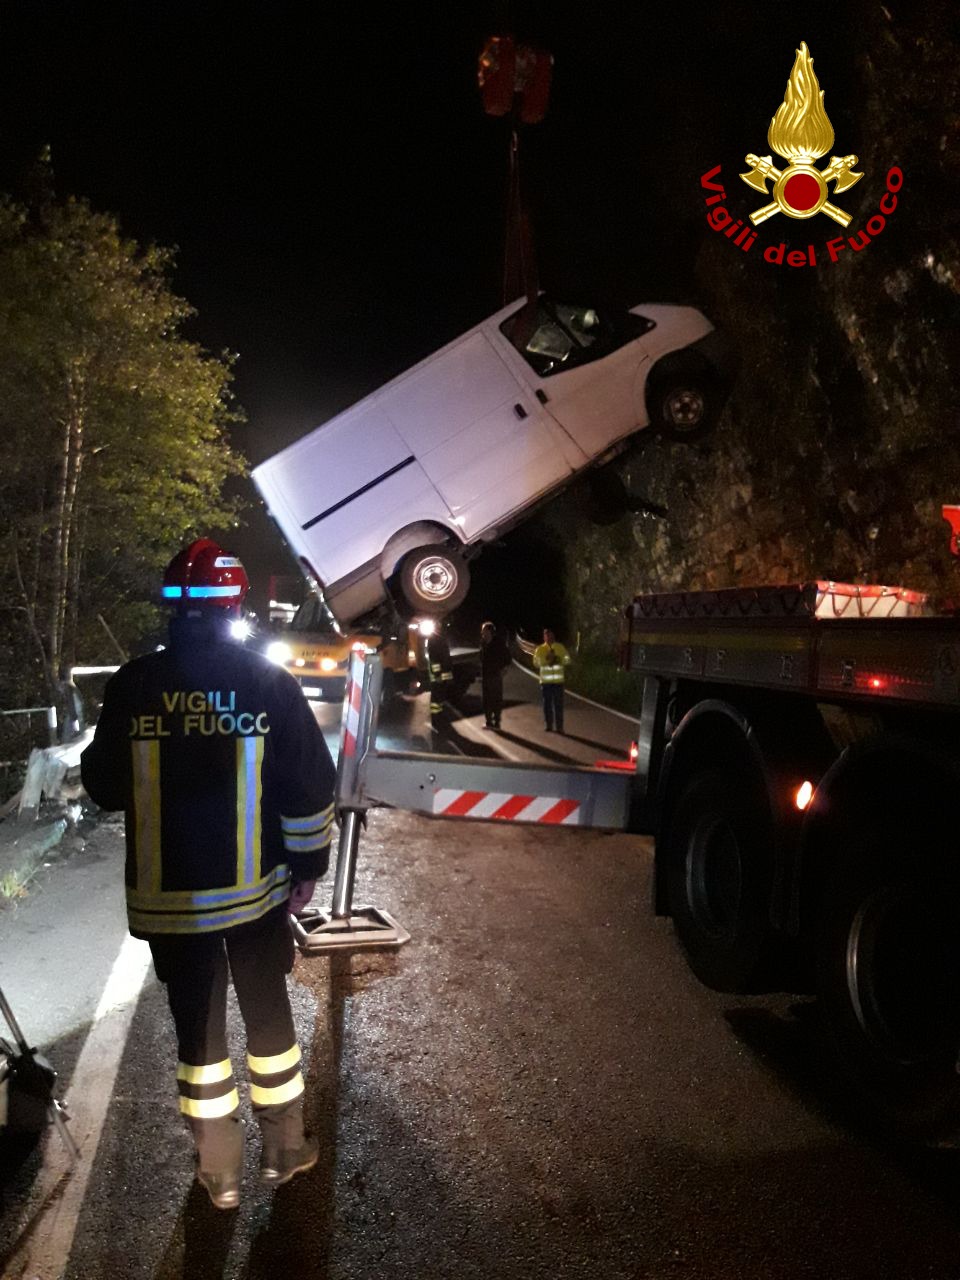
(841, 438)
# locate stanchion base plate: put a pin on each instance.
(365, 927)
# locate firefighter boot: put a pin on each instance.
(219, 1146)
(287, 1150)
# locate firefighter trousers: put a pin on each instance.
(196, 969)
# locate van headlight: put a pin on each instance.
(327, 664)
(279, 653)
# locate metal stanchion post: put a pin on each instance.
(347, 927)
(350, 824)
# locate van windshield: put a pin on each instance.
(313, 615)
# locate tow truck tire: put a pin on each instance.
(434, 579)
(888, 978)
(718, 878)
(684, 408)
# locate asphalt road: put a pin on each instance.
(534, 1086)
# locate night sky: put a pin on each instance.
(337, 195)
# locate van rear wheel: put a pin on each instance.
(434, 579)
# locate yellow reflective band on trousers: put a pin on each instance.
(211, 1073)
(276, 1096)
(276, 1062)
(249, 764)
(146, 812)
(210, 1108)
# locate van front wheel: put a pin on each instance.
(434, 579)
(684, 408)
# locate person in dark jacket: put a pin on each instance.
(227, 788)
(494, 660)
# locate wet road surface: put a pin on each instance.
(534, 1086)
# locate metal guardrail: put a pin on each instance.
(50, 712)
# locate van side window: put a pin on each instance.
(561, 336)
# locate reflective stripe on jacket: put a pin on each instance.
(550, 660)
(225, 779)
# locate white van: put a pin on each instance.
(390, 496)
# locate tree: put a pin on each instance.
(113, 428)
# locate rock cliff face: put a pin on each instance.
(841, 437)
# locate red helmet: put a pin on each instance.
(205, 574)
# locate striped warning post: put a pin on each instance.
(352, 699)
(504, 807)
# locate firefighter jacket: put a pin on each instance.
(224, 777)
(550, 660)
(439, 665)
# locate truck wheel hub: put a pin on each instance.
(901, 974)
(714, 877)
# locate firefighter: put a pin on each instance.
(494, 660)
(551, 660)
(439, 673)
(227, 788)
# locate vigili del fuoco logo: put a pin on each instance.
(801, 133)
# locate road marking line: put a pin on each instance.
(48, 1249)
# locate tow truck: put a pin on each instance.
(798, 766)
(316, 651)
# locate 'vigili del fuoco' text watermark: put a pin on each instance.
(801, 133)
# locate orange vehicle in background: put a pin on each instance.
(315, 650)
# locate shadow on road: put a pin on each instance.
(789, 1047)
(590, 742)
(556, 757)
(303, 1210)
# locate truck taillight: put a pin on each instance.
(803, 795)
(634, 752)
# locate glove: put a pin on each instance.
(300, 894)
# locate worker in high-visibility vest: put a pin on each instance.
(227, 787)
(550, 660)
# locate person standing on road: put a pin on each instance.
(494, 660)
(551, 659)
(227, 787)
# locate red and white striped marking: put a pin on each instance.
(351, 707)
(501, 805)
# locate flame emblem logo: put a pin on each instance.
(801, 133)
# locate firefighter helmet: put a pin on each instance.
(204, 573)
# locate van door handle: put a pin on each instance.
(541, 395)
(519, 410)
